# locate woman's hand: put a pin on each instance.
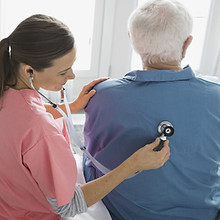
(85, 95)
(146, 158)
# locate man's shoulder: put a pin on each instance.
(110, 84)
(108, 91)
(209, 79)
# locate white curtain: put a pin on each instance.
(210, 62)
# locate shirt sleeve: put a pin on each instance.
(76, 206)
(53, 167)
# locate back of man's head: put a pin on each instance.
(158, 30)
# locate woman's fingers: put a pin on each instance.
(154, 144)
(89, 86)
(164, 153)
(85, 95)
(150, 159)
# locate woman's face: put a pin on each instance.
(54, 78)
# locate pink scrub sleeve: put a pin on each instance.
(53, 166)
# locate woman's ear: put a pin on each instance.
(28, 70)
(186, 45)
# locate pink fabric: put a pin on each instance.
(35, 158)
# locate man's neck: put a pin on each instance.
(174, 65)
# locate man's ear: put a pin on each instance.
(186, 45)
(129, 35)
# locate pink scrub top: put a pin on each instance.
(36, 160)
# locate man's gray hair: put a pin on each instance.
(159, 28)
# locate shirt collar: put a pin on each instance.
(160, 75)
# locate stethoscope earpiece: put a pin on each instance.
(32, 86)
(30, 71)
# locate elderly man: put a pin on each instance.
(126, 112)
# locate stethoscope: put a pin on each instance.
(71, 130)
(165, 128)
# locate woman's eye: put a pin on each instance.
(62, 74)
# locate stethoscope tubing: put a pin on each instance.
(74, 137)
(71, 130)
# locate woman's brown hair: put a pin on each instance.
(36, 41)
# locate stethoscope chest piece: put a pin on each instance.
(165, 129)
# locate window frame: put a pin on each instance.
(111, 49)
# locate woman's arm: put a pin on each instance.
(143, 159)
(80, 103)
(91, 192)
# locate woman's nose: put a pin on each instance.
(71, 74)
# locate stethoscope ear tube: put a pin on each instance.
(74, 137)
(32, 86)
(71, 130)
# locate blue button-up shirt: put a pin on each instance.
(123, 116)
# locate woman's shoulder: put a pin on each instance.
(24, 111)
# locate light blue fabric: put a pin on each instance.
(123, 116)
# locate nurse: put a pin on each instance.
(37, 168)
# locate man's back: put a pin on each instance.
(123, 116)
